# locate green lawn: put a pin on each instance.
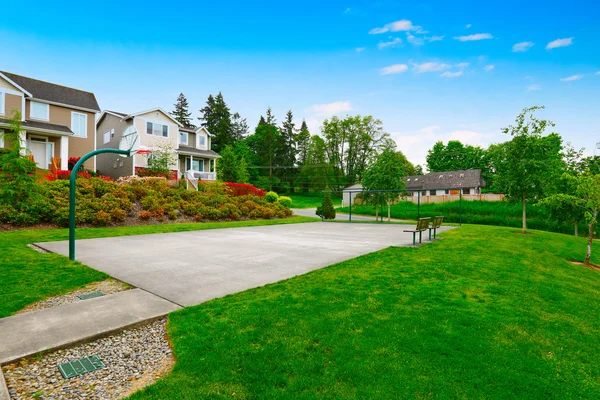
(27, 276)
(312, 200)
(483, 313)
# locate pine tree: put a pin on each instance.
(227, 167)
(239, 127)
(302, 144)
(243, 175)
(270, 117)
(216, 118)
(288, 150)
(181, 112)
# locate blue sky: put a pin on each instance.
(430, 70)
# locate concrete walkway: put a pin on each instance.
(26, 334)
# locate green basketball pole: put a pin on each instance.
(72, 190)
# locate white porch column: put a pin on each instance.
(23, 140)
(191, 163)
(64, 152)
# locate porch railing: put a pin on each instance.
(205, 176)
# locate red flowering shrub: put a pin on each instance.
(144, 215)
(244, 189)
(72, 161)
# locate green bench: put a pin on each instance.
(435, 225)
(422, 226)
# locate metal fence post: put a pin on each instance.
(419, 204)
(461, 206)
(350, 202)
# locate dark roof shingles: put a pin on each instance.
(189, 149)
(55, 93)
(446, 180)
(29, 124)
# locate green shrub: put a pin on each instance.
(102, 218)
(326, 211)
(271, 197)
(285, 201)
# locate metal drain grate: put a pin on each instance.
(79, 367)
(90, 295)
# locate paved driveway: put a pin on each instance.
(189, 268)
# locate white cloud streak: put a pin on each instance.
(434, 38)
(572, 78)
(559, 43)
(522, 47)
(449, 74)
(329, 109)
(489, 67)
(475, 37)
(394, 69)
(533, 88)
(430, 67)
(396, 42)
(397, 26)
(359, 49)
(415, 41)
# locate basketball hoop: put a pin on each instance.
(130, 141)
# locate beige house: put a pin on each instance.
(156, 129)
(58, 121)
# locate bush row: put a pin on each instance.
(102, 202)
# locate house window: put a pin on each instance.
(106, 137)
(155, 129)
(79, 124)
(201, 140)
(183, 138)
(49, 152)
(466, 191)
(424, 193)
(196, 165)
(2, 112)
(433, 192)
(39, 111)
(447, 191)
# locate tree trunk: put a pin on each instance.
(376, 211)
(389, 213)
(576, 229)
(591, 225)
(588, 255)
(524, 202)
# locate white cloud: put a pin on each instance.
(463, 65)
(449, 74)
(468, 26)
(347, 10)
(397, 26)
(434, 38)
(394, 69)
(597, 73)
(522, 47)
(396, 42)
(533, 88)
(477, 36)
(329, 109)
(489, 67)
(430, 67)
(416, 144)
(572, 78)
(559, 43)
(359, 49)
(414, 40)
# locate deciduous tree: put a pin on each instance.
(386, 173)
(529, 161)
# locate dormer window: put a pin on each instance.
(183, 138)
(39, 111)
(201, 140)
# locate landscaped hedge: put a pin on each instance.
(101, 202)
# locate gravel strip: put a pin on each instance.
(133, 359)
(107, 286)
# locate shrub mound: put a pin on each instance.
(130, 201)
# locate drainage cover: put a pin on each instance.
(79, 367)
(90, 295)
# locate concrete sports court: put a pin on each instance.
(188, 268)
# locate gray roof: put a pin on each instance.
(118, 113)
(187, 129)
(193, 150)
(446, 180)
(55, 93)
(29, 124)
